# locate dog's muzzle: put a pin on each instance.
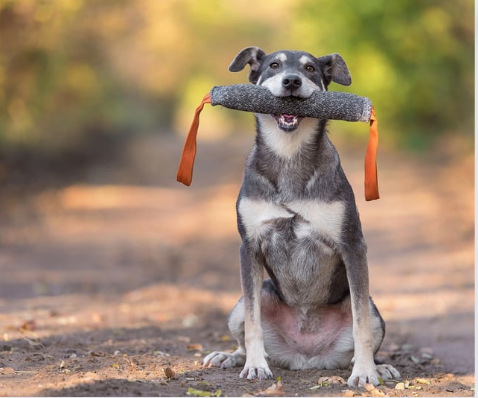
(287, 123)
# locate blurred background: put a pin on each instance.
(97, 96)
(73, 72)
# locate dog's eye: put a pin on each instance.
(310, 68)
(274, 65)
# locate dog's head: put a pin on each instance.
(291, 73)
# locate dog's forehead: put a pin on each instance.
(286, 56)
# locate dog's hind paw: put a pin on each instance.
(223, 360)
(388, 372)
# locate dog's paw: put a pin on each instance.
(220, 360)
(362, 376)
(256, 373)
(388, 372)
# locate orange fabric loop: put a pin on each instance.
(371, 183)
(186, 164)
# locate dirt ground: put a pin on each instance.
(119, 282)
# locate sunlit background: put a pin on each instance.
(97, 96)
(71, 71)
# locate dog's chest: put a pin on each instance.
(295, 220)
(296, 241)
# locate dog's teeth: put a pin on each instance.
(287, 122)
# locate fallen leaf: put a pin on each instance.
(368, 386)
(205, 383)
(422, 381)
(415, 359)
(326, 380)
(371, 389)
(200, 393)
(277, 389)
(7, 371)
(349, 393)
(169, 373)
(400, 386)
(195, 347)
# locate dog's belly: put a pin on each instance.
(322, 338)
(296, 241)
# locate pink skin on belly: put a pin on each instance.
(311, 334)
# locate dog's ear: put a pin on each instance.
(251, 56)
(335, 69)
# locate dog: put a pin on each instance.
(298, 220)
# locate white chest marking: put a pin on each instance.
(320, 217)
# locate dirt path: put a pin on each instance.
(119, 284)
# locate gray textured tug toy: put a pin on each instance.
(320, 105)
(298, 220)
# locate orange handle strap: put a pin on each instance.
(186, 164)
(371, 183)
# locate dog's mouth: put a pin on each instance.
(287, 123)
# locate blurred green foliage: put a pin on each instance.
(73, 69)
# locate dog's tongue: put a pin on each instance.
(288, 118)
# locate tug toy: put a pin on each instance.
(321, 105)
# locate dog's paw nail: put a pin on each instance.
(352, 382)
(388, 372)
(256, 373)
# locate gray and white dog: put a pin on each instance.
(298, 220)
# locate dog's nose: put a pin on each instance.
(291, 82)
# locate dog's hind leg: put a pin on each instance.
(245, 325)
(238, 357)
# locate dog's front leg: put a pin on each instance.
(364, 370)
(252, 272)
